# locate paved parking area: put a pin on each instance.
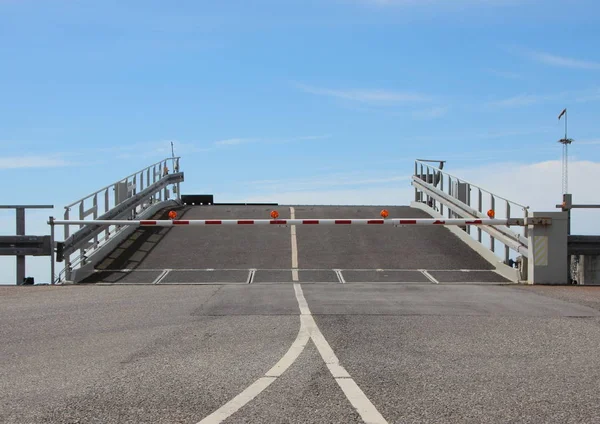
(211, 335)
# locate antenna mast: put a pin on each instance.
(565, 155)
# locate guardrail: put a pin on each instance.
(453, 196)
(123, 199)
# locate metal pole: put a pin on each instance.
(20, 258)
(450, 214)
(416, 191)
(441, 188)
(67, 259)
(52, 250)
(480, 209)
(492, 240)
(506, 248)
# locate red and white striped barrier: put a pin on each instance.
(243, 222)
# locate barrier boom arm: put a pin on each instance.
(389, 221)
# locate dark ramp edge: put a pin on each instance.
(275, 276)
(204, 276)
(468, 277)
(121, 277)
(384, 276)
(318, 276)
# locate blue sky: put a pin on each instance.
(268, 98)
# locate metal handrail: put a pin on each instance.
(176, 158)
(119, 211)
(426, 180)
(471, 184)
(134, 186)
(509, 238)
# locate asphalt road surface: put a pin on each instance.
(298, 325)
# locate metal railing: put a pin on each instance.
(455, 197)
(22, 245)
(153, 181)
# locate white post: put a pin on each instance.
(52, 271)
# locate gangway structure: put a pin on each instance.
(140, 195)
(533, 245)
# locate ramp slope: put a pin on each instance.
(263, 254)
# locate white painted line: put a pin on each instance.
(294, 247)
(399, 283)
(186, 283)
(359, 400)
(340, 277)
(239, 401)
(250, 276)
(308, 330)
(262, 383)
(288, 269)
(304, 310)
(161, 276)
(429, 276)
(355, 395)
(293, 352)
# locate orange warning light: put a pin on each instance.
(172, 214)
(491, 213)
(385, 213)
(274, 214)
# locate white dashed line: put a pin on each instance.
(429, 276)
(304, 310)
(294, 247)
(161, 276)
(340, 277)
(250, 276)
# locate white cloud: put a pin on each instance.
(482, 135)
(327, 181)
(238, 141)
(16, 162)
(371, 96)
(432, 113)
(590, 142)
(562, 61)
(374, 196)
(233, 141)
(577, 96)
(520, 100)
(538, 185)
(313, 137)
(504, 74)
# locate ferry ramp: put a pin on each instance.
(278, 324)
(320, 254)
